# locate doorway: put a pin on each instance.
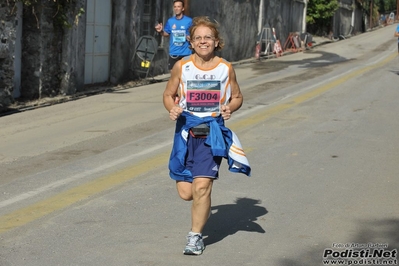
(98, 41)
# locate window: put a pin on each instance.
(148, 27)
(150, 16)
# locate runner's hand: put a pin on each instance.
(226, 112)
(175, 112)
(159, 27)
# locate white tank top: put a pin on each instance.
(203, 91)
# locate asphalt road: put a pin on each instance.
(86, 182)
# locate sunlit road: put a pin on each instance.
(86, 182)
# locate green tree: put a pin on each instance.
(319, 14)
(379, 7)
(389, 5)
(61, 10)
(321, 11)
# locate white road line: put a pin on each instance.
(83, 174)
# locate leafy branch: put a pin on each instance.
(61, 10)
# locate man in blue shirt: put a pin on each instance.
(177, 28)
(396, 34)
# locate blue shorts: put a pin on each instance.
(199, 159)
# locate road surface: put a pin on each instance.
(86, 182)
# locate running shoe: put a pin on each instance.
(195, 245)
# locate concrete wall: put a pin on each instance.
(72, 60)
(53, 56)
(238, 21)
(286, 17)
(125, 20)
(7, 50)
(41, 52)
(126, 24)
(240, 34)
(347, 14)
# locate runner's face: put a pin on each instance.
(203, 41)
(178, 8)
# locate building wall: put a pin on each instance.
(342, 20)
(72, 61)
(238, 24)
(41, 52)
(127, 23)
(287, 17)
(7, 50)
(53, 56)
(124, 34)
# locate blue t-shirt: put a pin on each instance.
(178, 32)
(397, 30)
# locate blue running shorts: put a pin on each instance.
(199, 159)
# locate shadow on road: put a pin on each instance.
(230, 218)
(375, 232)
(322, 59)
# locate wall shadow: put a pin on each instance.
(323, 59)
(228, 219)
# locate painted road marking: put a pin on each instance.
(74, 195)
(60, 201)
(80, 175)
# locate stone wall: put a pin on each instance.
(342, 19)
(72, 62)
(41, 52)
(285, 16)
(125, 21)
(239, 22)
(53, 57)
(7, 46)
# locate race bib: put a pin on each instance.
(203, 96)
(179, 37)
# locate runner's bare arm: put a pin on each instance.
(236, 96)
(159, 29)
(170, 92)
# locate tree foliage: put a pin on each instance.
(383, 6)
(386, 6)
(321, 11)
(62, 7)
(378, 7)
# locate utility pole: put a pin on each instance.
(187, 7)
(371, 14)
(260, 17)
(305, 8)
(397, 9)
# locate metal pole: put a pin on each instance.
(371, 14)
(397, 9)
(260, 17)
(186, 7)
(305, 8)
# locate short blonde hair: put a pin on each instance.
(206, 22)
